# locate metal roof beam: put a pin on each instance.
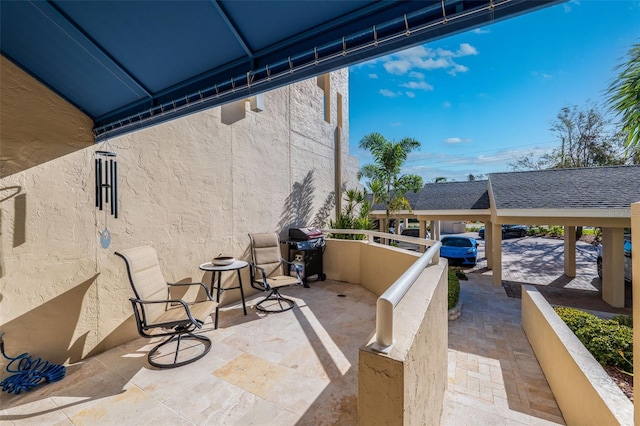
(88, 39)
(232, 27)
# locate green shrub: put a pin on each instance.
(556, 231)
(454, 288)
(609, 341)
(533, 231)
(624, 320)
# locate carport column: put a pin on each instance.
(488, 244)
(496, 251)
(613, 266)
(435, 231)
(422, 233)
(635, 241)
(383, 228)
(570, 251)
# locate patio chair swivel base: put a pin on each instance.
(191, 342)
(275, 299)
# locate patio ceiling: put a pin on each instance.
(128, 64)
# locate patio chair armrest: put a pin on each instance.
(203, 285)
(265, 285)
(184, 304)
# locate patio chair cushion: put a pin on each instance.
(281, 281)
(267, 255)
(176, 313)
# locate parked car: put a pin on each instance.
(517, 231)
(459, 249)
(627, 259)
(415, 232)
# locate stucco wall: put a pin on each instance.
(381, 265)
(585, 393)
(191, 187)
(407, 386)
(374, 266)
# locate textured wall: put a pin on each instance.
(32, 113)
(585, 393)
(191, 187)
(407, 386)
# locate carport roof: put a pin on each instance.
(451, 196)
(580, 188)
(593, 193)
(128, 64)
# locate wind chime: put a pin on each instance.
(106, 188)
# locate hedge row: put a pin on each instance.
(609, 341)
(454, 288)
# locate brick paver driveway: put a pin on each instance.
(539, 261)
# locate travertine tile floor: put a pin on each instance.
(493, 375)
(297, 367)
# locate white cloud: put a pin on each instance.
(447, 104)
(397, 67)
(373, 76)
(423, 58)
(417, 85)
(542, 75)
(410, 94)
(416, 75)
(395, 124)
(466, 49)
(456, 140)
(567, 6)
(457, 68)
(389, 94)
(481, 31)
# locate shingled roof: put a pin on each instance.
(612, 187)
(471, 195)
(580, 188)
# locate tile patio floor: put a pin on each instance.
(297, 367)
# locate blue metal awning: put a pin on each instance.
(127, 64)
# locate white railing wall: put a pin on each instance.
(394, 294)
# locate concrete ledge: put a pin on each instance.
(583, 390)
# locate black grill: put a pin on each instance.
(308, 243)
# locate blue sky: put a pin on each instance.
(478, 100)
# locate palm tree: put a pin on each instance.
(624, 96)
(384, 173)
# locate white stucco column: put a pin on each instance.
(613, 266)
(435, 229)
(488, 245)
(423, 233)
(570, 251)
(635, 242)
(496, 251)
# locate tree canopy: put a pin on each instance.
(586, 139)
(624, 97)
(385, 180)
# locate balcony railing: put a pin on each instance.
(394, 294)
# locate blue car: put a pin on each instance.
(459, 249)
